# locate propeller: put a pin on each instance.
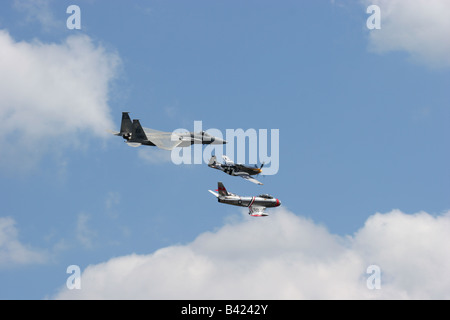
(260, 169)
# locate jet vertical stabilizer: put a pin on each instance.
(126, 126)
(137, 133)
(222, 190)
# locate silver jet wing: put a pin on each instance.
(257, 211)
(163, 140)
(214, 193)
(246, 176)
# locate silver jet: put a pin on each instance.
(135, 135)
(256, 205)
(236, 169)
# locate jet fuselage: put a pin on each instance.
(249, 201)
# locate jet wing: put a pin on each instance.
(162, 140)
(257, 211)
(214, 193)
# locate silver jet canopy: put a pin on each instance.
(135, 135)
(256, 205)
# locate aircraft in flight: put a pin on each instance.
(236, 169)
(135, 135)
(256, 205)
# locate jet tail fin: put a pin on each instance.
(137, 133)
(126, 125)
(221, 189)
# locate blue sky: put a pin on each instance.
(363, 124)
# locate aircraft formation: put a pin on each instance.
(135, 135)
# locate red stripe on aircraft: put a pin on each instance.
(251, 202)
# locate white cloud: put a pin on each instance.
(419, 27)
(50, 94)
(38, 10)
(12, 251)
(285, 256)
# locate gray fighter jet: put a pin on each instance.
(135, 136)
(256, 205)
(236, 169)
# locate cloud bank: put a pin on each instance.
(420, 28)
(12, 251)
(51, 93)
(285, 256)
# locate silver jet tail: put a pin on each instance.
(222, 191)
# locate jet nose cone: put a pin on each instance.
(219, 141)
(278, 203)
